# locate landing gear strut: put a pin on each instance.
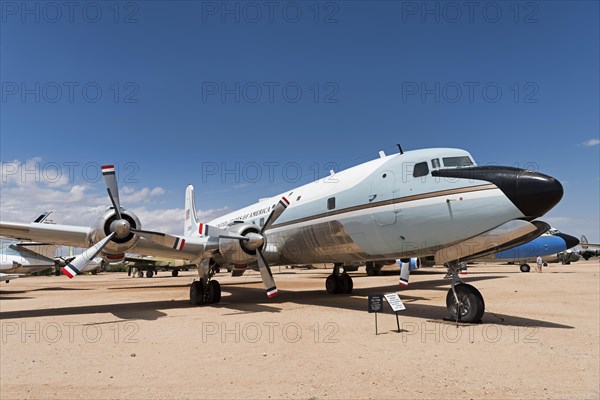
(463, 301)
(372, 268)
(205, 290)
(339, 282)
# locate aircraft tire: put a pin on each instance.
(525, 268)
(149, 274)
(214, 292)
(342, 283)
(175, 272)
(349, 284)
(472, 300)
(332, 285)
(197, 293)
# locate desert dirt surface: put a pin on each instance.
(113, 336)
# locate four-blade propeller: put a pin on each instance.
(254, 241)
(119, 228)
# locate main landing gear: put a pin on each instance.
(525, 268)
(339, 282)
(463, 301)
(205, 290)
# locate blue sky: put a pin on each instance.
(182, 92)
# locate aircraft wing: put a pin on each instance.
(192, 249)
(63, 235)
(586, 245)
(76, 236)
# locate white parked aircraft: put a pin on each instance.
(25, 258)
(430, 202)
(8, 277)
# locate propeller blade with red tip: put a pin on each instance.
(110, 180)
(79, 262)
(276, 213)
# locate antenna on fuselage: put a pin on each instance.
(400, 148)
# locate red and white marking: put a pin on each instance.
(68, 272)
(203, 229)
(107, 169)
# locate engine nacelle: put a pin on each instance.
(123, 240)
(236, 251)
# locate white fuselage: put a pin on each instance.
(379, 210)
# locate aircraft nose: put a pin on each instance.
(569, 240)
(533, 193)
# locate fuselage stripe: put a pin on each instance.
(389, 202)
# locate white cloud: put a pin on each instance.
(25, 196)
(131, 196)
(591, 142)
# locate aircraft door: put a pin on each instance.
(382, 196)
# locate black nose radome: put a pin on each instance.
(569, 240)
(533, 193)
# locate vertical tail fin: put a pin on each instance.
(583, 242)
(191, 225)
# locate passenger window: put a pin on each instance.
(331, 203)
(262, 221)
(421, 169)
(435, 163)
(298, 198)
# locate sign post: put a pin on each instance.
(394, 301)
(375, 306)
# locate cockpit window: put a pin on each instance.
(421, 169)
(462, 161)
(435, 163)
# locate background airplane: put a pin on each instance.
(137, 265)
(549, 244)
(430, 202)
(586, 252)
(26, 258)
(8, 277)
(29, 257)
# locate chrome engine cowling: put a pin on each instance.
(123, 240)
(237, 251)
